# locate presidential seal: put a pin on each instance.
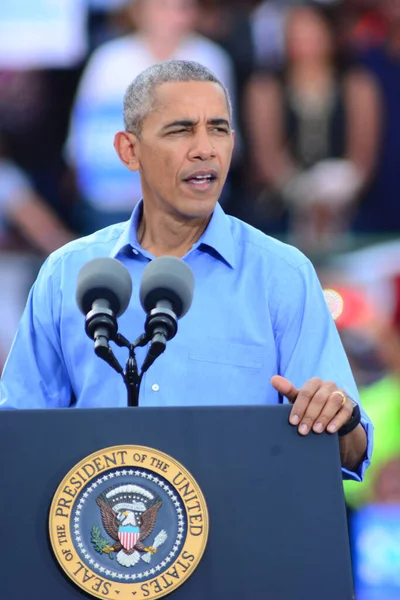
(128, 522)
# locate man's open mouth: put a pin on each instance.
(201, 179)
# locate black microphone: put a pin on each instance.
(104, 289)
(166, 293)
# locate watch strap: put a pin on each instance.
(352, 423)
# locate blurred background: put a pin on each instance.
(316, 91)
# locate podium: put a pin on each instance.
(277, 519)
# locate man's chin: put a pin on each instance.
(197, 207)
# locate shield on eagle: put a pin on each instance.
(129, 513)
(128, 535)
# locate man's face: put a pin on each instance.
(185, 148)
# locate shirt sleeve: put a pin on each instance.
(310, 346)
(35, 375)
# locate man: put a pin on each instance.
(259, 326)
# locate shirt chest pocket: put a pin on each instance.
(229, 373)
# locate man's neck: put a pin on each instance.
(165, 235)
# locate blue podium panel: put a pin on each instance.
(277, 517)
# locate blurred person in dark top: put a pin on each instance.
(313, 132)
(162, 30)
(379, 212)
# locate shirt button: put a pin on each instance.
(134, 251)
(155, 387)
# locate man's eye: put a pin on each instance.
(179, 131)
(220, 129)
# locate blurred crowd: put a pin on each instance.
(316, 92)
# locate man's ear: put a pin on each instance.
(126, 146)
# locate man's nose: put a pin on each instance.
(202, 147)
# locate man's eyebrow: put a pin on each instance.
(224, 122)
(190, 123)
(182, 123)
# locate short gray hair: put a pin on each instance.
(140, 95)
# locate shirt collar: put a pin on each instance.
(217, 237)
(128, 237)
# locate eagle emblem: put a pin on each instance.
(129, 514)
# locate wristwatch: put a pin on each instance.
(352, 423)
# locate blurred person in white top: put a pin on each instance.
(164, 30)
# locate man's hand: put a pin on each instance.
(317, 406)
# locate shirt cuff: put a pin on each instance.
(358, 475)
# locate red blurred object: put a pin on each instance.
(349, 307)
(370, 30)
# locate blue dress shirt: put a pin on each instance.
(258, 310)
